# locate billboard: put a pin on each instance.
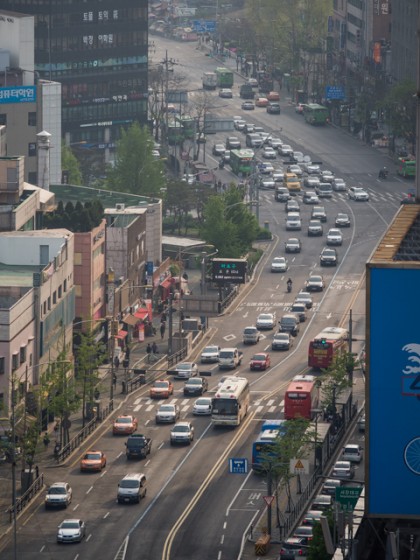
(229, 270)
(393, 391)
(18, 94)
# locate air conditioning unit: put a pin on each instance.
(120, 206)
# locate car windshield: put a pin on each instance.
(342, 217)
(195, 381)
(293, 242)
(166, 408)
(70, 525)
(203, 402)
(258, 358)
(57, 490)
(265, 318)
(123, 420)
(161, 384)
(181, 429)
(281, 337)
(129, 484)
(288, 321)
(211, 349)
(315, 279)
(329, 252)
(304, 295)
(183, 367)
(250, 331)
(92, 456)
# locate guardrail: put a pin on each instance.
(23, 500)
(75, 442)
(177, 357)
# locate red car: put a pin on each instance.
(260, 361)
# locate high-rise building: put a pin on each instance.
(404, 40)
(99, 53)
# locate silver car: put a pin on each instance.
(71, 530)
(185, 370)
(343, 470)
(167, 414)
(202, 406)
(58, 494)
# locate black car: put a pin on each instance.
(195, 386)
(273, 108)
(289, 323)
(328, 257)
(292, 548)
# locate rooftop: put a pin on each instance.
(109, 199)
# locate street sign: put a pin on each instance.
(335, 92)
(347, 496)
(229, 270)
(299, 466)
(268, 500)
(238, 466)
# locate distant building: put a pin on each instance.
(99, 53)
(404, 63)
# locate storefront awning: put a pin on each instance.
(141, 314)
(130, 320)
(121, 334)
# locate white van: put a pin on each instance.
(132, 488)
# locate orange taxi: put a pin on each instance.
(124, 425)
(261, 102)
(93, 461)
(161, 390)
(273, 96)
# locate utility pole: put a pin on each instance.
(167, 63)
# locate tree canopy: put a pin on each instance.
(136, 170)
(70, 164)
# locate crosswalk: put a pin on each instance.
(374, 196)
(185, 405)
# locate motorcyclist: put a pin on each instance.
(289, 285)
(383, 173)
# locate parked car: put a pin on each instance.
(282, 341)
(293, 245)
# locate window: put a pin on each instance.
(2, 364)
(45, 307)
(3, 118)
(15, 361)
(77, 259)
(32, 177)
(31, 119)
(22, 354)
(49, 303)
(32, 149)
(65, 285)
(60, 292)
(54, 298)
(78, 290)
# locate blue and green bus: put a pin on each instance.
(316, 114)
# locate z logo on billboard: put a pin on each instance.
(411, 388)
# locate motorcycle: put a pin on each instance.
(289, 287)
(383, 174)
(221, 164)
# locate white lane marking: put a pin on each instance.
(75, 507)
(88, 537)
(137, 408)
(42, 548)
(106, 515)
(89, 490)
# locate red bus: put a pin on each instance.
(330, 342)
(301, 398)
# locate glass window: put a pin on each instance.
(31, 119)
(32, 149)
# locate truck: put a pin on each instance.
(138, 446)
(224, 78)
(209, 80)
(230, 358)
(246, 91)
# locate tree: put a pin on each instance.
(401, 106)
(335, 380)
(317, 550)
(218, 231)
(69, 163)
(136, 170)
(178, 202)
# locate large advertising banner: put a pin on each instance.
(393, 392)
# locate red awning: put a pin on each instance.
(121, 334)
(141, 314)
(167, 283)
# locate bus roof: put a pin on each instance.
(314, 106)
(300, 386)
(332, 333)
(304, 377)
(221, 69)
(243, 153)
(232, 387)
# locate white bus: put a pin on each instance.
(231, 402)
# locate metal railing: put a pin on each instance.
(75, 442)
(177, 356)
(24, 500)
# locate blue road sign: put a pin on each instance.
(202, 26)
(335, 92)
(238, 466)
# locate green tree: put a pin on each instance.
(69, 163)
(401, 106)
(136, 170)
(218, 231)
(178, 203)
(317, 550)
(335, 380)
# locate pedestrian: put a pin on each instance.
(37, 472)
(149, 351)
(57, 448)
(155, 349)
(127, 352)
(163, 317)
(46, 440)
(162, 329)
(116, 362)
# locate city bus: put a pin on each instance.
(271, 430)
(242, 161)
(406, 167)
(224, 78)
(301, 397)
(329, 343)
(316, 114)
(231, 402)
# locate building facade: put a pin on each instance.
(404, 41)
(99, 53)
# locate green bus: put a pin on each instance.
(224, 78)
(242, 161)
(175, 132)
(316, 114)
(406, 167)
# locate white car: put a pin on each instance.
(306, 298)
(296, 169)
(312, 181)
(357, 193)
(239, 124)
(184, 370)
(293, 221)
(310, 197)
(202, 406)
(167, 413)
(266, 321)
(315, 283)
(339, 184)
(274, 142)
(285, 150)
(58, 494)
(312, 168)
(210, 355)
(352, 452)
(334, 237)
(343, 469)
(269, 153)
(71, 530)
(182, 432)
(267, 182)
(266, 168)
(327, 176)
(279, 264)
(226, 93)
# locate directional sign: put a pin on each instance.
(269, 500)
(299, 466)
(238, 466)
(347, 496)
(335, 92)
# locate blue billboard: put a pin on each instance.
(204, 26)
(393, 392)
(18, 94)
(335, 92)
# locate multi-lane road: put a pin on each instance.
(194, 508)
